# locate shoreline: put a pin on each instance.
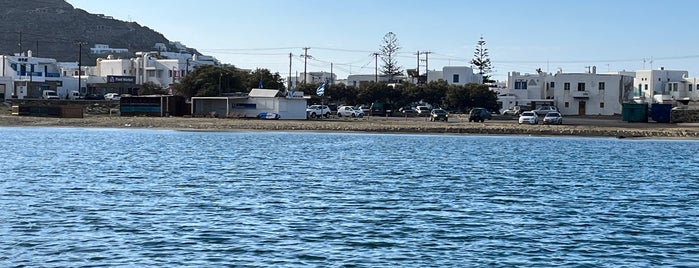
(573, 126)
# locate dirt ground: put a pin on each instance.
(603, 126)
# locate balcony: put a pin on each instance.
(580, 94)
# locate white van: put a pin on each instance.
(74, 95)
(50, 95)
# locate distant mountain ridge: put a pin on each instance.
(54, 28)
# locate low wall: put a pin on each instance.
(684, 116)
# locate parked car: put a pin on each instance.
(349, 111)
(268, 116)
(112, 96)
(422, 111)
(407, 111)
(529, 117)
(479, 114)
(50, 95)
(514, 110)
(543, 110)
(439, 115)
(364, 108)
(314, 111)
(553, 118)
(94, 97)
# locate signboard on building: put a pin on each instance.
(121, 79)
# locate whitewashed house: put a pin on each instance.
(24, 76)
(455, 75)
(591, 93)
(587, 93)
(664, 86)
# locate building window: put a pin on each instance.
(552, 85)
(565, 104)
(455, 79)
(581, 86)
(566, 86)
(601, 105)
(601, 85)
(674, 86)
(645, 87)
(520, 84)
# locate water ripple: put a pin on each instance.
(106, 197)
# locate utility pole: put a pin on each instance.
(80, 65)
(305, 58)
(289, 82)
(376, 67)
(332, 80)
(427, 58)
(418, 66)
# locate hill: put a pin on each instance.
(54, 28)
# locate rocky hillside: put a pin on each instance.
(53, 29)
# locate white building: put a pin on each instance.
(573, 93)
(313, 78)
(455, 75)
(664, 86)
(253, 104)
(150, 67)
(105, 49)
(24, 76)
(591, 93)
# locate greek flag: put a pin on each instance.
(321, 90)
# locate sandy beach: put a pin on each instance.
(458, 124)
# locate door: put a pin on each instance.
(581, 108)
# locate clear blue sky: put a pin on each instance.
(520, 35)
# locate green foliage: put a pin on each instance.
(150, 88)
(211, 80)
(481, 60)
(389, 51)
(463, 98)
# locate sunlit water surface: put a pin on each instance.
(106, 197)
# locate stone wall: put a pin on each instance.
(684, 116)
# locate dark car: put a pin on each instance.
(94, 97)
(479, 114)
(439, 115)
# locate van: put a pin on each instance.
(49, 95)
(74, 95)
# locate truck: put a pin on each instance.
(49, 95)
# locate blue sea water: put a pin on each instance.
(139, 198)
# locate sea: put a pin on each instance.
(74, 197)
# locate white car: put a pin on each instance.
(112, 96)
(314, 111)
(349, 111)
(422, 111)
(529, 117)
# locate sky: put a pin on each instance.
(521, 36)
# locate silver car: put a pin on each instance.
(553, 118)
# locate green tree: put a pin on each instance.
(265, 77)
(389, 51)
(465, 97)
(150, 88)
(212, 80)
(481, 60)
